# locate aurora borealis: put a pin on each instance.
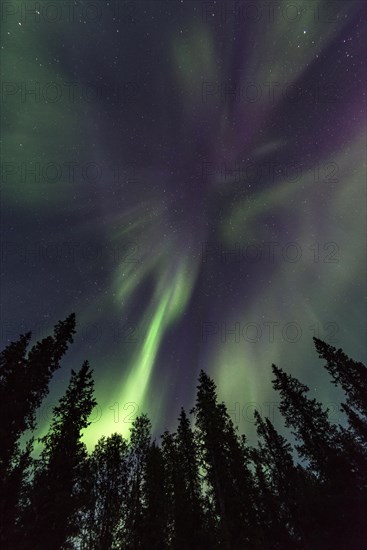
(188, 177)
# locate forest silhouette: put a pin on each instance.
(202, 487)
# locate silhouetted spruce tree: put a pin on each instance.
(57, 494)
(189, 523)
(274, 533)
(317, 438)
(224, 460)
(199, 522)
(16, 485)
(284, 487)
(323, 446)
(13, 371)
(154, 525)
(139, 444)
(107, 476)
(24, 380)
(174, 484)
(349, 374)
(24, 383)
(352, 377)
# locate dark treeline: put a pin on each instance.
(201, 487)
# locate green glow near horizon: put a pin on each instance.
(171, 301)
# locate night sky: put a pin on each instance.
(189, 178)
